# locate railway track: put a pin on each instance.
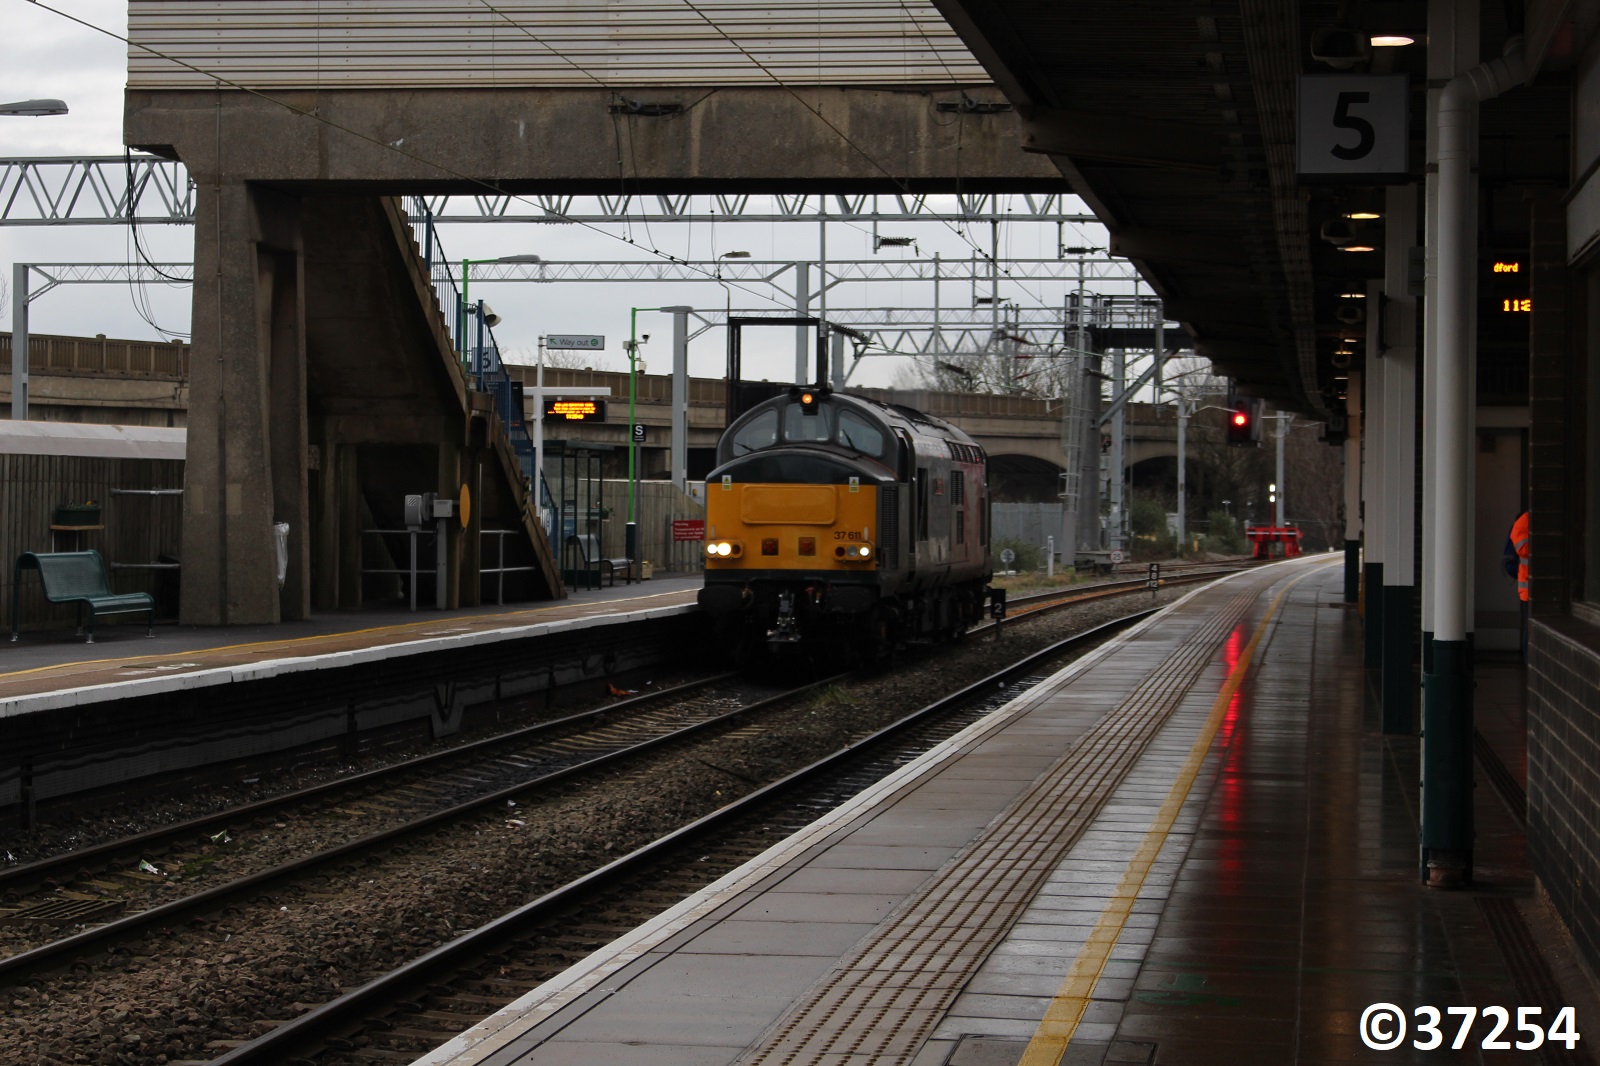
(44, 891)
(424, 1003)
(1054, 599)
(438, 784)
(400, 800)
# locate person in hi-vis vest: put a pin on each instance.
(1524, 550)
(1519, 548)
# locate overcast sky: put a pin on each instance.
(45, 55)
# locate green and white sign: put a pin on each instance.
(573, 340)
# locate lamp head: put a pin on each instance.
(34, 108)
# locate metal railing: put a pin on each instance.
(500, 569)
(470, 332)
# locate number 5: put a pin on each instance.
(1343, 119)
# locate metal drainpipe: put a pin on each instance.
(1352, 489)
(1447, 827)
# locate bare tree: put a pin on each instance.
(555, 358)
(1313, 475)
(1011, 366)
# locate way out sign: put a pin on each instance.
(1352, 127)
(575, 342)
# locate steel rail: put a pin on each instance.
(1042, 602)
(58, 952)
(340, 1014)
(72, 861)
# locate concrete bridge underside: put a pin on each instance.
(323, 389)
(466, 141)
(323, 384)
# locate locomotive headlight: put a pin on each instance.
(722, 549)
(866, 551)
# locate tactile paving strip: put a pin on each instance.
(882, 1001)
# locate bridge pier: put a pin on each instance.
(245, 468)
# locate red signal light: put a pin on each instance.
(1242, 426)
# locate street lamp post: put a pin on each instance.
(631, 529)
(1285, 423)
(466, 285)
(19, 342)
(19, 276)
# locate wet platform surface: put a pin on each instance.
(54, 660)
(1192, 846)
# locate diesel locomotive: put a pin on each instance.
(836, 520)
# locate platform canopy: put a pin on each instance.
(84, 439)
(1176, 122)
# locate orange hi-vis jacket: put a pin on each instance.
(1522, 545)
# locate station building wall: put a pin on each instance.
(1563, 694)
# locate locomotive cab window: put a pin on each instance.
(801, 425)
(857, 432)
(760, 432)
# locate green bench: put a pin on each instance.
(78, 577)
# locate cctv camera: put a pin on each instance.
(1339, 48)
(644, 338)
(1337, 231)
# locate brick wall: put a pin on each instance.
(1563, 649)
(1564, 775)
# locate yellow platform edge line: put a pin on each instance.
(1061, 1020)
(289, 642)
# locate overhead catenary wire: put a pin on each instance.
(903, 185)
(443, 168)
(1035, 297)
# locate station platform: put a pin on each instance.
(1192, 845)
(77, 718)
(47, 662)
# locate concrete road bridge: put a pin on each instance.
(95, 379)
(1021, 434)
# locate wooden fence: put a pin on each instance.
(98, 355)
(139, 529)
(659, 502)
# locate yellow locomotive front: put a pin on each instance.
(786, 527)
(798, 511)
(844, 523)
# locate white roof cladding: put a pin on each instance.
(86, 439)
(615, 44)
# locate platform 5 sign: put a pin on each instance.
(1352, 127)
